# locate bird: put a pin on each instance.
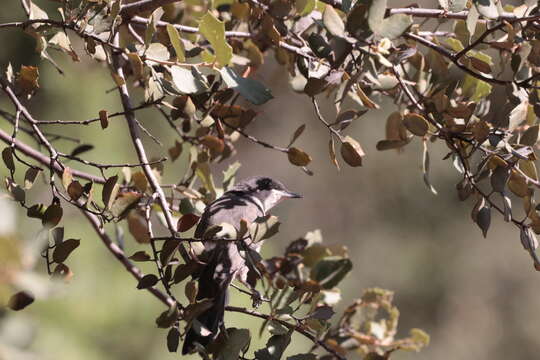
(224, 261)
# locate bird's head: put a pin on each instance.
(269, 191)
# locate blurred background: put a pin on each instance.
(475, 297)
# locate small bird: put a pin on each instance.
(248, 200)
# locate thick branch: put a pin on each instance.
(45, 160)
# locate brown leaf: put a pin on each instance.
(140, 181)
(213, 143)
(191, 290)
(480, 131)
(104, 119)
(137, 227)
(298, 157)
(67, 177)
(390, 144)
(75, 190)
(28, 79)
(352, 152)
(186, 222)
(175, 151)
(332, 151)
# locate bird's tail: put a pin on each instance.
(213, 288)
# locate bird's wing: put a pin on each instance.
(229, 208)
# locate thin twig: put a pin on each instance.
(135, 135)
(288, 326)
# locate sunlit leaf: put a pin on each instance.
(214, 31)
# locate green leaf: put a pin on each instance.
(332, 21)
(391, 27)
(229, 174)
(214, 31)
(305, 7)
(188, 81)
(416, 124)
(264, 227)
(255, 92)
(453, 5)
(157, 51)
(237, 341)
(176, 41)
(275, 347)
(330, 271)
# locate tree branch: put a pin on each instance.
(135, 135)
(45, 160)
(452, 57)
(289, 326)
(140, 6)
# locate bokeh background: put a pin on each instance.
(477, 298)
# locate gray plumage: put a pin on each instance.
(248, 200)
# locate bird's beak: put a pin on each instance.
(292, 195)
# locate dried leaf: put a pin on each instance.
(75, 190)
(352, 152)
(425, 169)
(416, 124)
(191, 290)
(298, 157)
(67, 177)
(104, 118)
(332, 151)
